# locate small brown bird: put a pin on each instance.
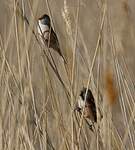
(47, 34)
(88, 105)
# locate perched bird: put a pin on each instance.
(47, 34)
(88, 105)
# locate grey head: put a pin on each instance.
(45, 20)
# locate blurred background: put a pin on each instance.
(38, 94)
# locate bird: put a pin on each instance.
(47, 34)
(88, 105)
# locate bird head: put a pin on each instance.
(45, 20)
(81, 100)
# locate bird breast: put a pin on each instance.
(42, 28)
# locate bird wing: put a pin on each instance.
(54, 43)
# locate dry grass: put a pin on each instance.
(39, 92)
